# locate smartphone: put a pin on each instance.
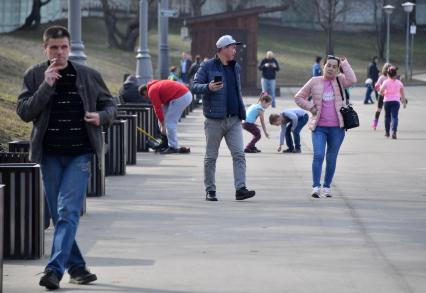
(217, 78)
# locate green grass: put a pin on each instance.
(294, 49)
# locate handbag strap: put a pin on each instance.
(341, 92)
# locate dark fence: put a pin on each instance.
(19, 146)
(1, 234)
(24, 206)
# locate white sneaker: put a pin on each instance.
(327, 191)
(316, 192)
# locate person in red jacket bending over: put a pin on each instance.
(169, 99)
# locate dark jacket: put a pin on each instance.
(34, 104)
(373, 72)
(129, 92)
(269, 72)
(215, 103)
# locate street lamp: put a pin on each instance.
(388, 10)
(408, 8)
(144, 64)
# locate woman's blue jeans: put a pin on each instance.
(391, 115)
(326, 142)
(65, 184)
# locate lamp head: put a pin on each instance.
(408, 6)
(388, 9)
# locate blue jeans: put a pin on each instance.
(391, 114)
(65, 183)
(172, 113)
(322, 137)
(296, 133)
(368, 93)
(268, 86)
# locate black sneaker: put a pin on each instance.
(250, 151)
(82, 276)
(169, 150)
(49, 280)
(297, 151)
(394, 135)
(256, 149)
(211, 196)
(244, 193)
(288, 151)
(387, 134)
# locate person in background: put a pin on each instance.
(369, 86)
(67, 103)
(269, 67)
(129, 92)
(169, 99)
(316, 67)
(185, 64)
(252, 113)
(373, 73)
(194, 68)
(377, 86)
(392, 91)
(326, 122)
(291, 121)
(173, 74)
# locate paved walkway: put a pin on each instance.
(154, 233)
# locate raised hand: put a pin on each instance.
(52, 73)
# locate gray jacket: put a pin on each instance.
(34, 104)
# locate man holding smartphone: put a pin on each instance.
(218, 79)
(67, 103)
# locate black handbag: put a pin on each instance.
(350, 117)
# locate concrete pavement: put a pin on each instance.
(155, 233)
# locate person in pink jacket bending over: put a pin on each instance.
(326, 121)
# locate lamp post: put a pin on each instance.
(388, 10)
(163, 44)
(74, 26)
(144, 64)
(408, 8)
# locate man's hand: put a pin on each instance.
(52, 73)
(215, 86)
(267, 135)
(93, 118)
(279, 148)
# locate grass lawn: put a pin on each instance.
(294, 49)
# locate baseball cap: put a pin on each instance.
(226, 40)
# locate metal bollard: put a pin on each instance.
(115, 158)
(131, 137)
(143, 121)
(24, 212)
(96, 184)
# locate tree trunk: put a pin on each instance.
(380, 29)
(197, 5)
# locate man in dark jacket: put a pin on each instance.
(67, 103)
(218, 79)
(129, 92)
(269, 67)
(373, 73)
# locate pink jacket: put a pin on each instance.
(315, 88)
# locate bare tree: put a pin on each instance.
(117, 39)
(326, 12)
(197, 5)
(33, 20)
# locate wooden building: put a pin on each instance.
(242, 26)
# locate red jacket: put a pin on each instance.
(161, 92)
